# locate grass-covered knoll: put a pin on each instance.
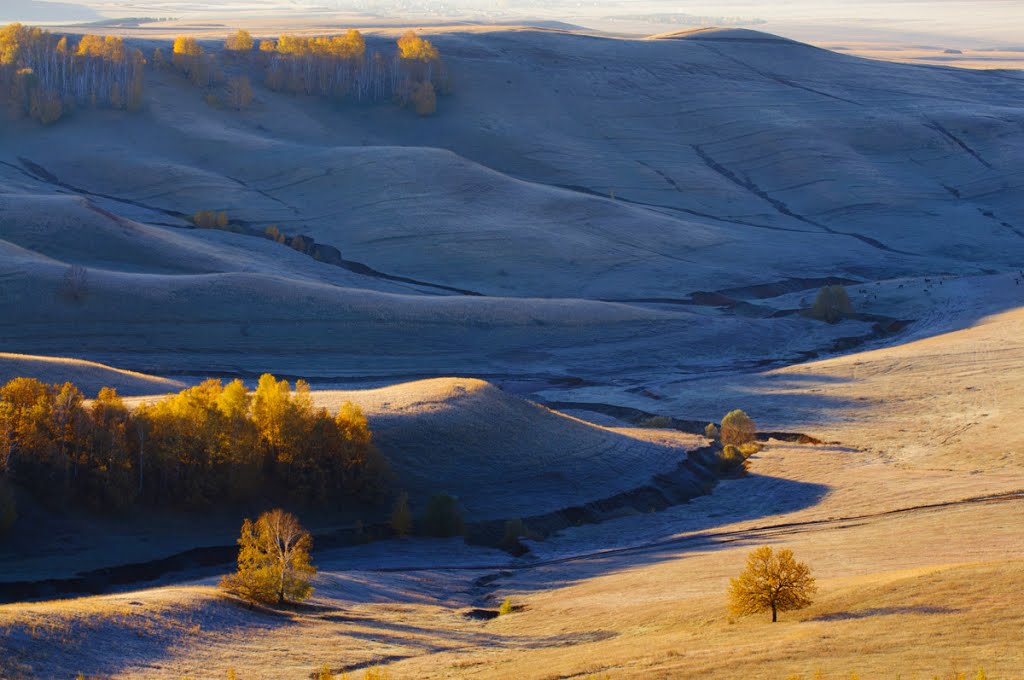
(500, 455)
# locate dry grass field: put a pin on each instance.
(915, 592)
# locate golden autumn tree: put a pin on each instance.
(190, 58)
(831, 304)
(273, 560)
(737, 428)
(239, 42)
(414, 48)
(773, 581)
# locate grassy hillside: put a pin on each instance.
(563, 166)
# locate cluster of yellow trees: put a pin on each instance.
(339, 66)
(43, 76)
(211, 444)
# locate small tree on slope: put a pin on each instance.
(737, 428)
(273, 560)
(772, 581)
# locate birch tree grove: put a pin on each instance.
(211, 445)
(340, 67)
(42, 76)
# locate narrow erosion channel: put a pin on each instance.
(322, 252)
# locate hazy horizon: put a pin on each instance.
(972, 24)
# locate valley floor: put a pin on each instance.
(917, 573)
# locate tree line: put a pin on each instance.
(337, 67)
(209, 445)
(44, 76)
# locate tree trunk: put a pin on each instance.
(775, 615)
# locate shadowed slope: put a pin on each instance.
(501, 455)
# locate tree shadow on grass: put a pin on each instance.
(884, 611)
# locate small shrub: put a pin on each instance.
(376, 673)
(711, 431)
(750, 448)
(274, 234)
(730, 458)
(662, 422)
(323, 673)
(506, 607)
(401, 518)
(737, 428)
(831, 304)
(205, 219)
(515, 529)
(443, 519)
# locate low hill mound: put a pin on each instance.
(501, 455)
(87, 375)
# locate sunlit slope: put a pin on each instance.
(947, 396)
(504, 456)
(88, 376)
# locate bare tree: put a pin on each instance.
(74, 285)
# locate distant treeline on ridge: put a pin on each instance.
(44, 75)
(210, 445)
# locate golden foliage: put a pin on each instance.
(239, 42)
(348, 46)
(187, 46)
(43, 77)
(737, 428)
(209, 444)
(414, 48)
(772, 581)
(273, 560)
(831, 304)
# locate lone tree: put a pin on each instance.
(273, 560)
(442, 518)
(737, 428)
(74, 285)
(772, 581)
(831, 304)
(401, 516)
